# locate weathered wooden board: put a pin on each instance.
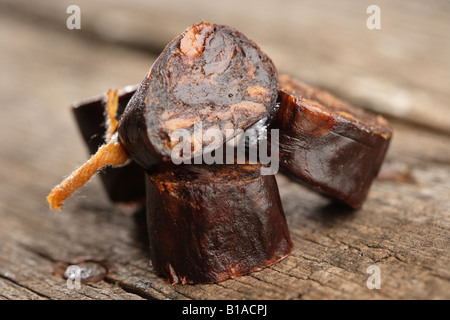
(403, 228)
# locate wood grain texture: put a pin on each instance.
(403, 227)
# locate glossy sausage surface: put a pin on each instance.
(208, 223)
(328, 144)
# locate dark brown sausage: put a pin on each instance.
(210, 74)
(208, 223)
(330, 145)
(125, 184)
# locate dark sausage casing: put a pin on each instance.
(210, 74)
(125, 184)
(208, 223)
(328, 144)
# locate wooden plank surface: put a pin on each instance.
(403, 228)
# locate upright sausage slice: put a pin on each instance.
(328, 144)
(208, 223)
(210, 74)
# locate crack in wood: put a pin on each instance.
(131, 289)
(2, 276)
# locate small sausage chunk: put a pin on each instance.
(125, 184)
(208, 223)
(328, 144)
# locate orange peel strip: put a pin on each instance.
(112, 153)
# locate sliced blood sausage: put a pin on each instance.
(210, 74)
(125, 184)
(208, 223)
(328, 144)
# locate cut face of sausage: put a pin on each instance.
(125, 184)
(328, 144)
(210, 74)
(208, 223)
